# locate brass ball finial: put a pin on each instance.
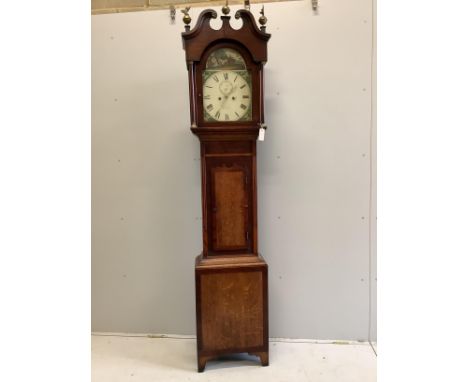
(262, 20)
(226, 9)
(186, 19)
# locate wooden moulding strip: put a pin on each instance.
(99, 7)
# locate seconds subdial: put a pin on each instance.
(226, 96)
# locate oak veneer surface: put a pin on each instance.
(230, 216)
(232, 310)
(229, 195)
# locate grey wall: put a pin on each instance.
(316, 214)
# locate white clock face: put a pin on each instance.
(227, 96)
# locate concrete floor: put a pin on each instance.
(121, 358)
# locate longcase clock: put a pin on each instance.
(225, 69)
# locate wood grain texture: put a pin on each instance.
(230, 209)
(229, 194)
(231, 278)
(233, 141)
(219, 148)
(233, 309)
(202, 35)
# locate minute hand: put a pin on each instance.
(227, 96)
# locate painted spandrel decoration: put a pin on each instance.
(227, 94)
(225, 58)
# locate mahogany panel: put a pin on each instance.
(202, 35)
(228, 147)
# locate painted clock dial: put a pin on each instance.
(227, 90)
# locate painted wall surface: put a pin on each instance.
(314, 173)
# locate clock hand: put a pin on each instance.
(232, 91)
(226, 97)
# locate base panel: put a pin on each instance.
(232, 308)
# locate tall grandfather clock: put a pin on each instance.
(225, 69)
